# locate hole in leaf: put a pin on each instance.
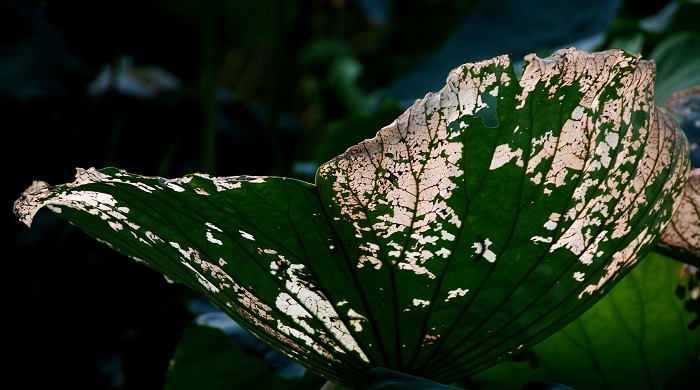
(487, 112)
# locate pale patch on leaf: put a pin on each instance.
(175, 187)
(481, 248)
(356, 319)
(212, 239)
(246, 235)
(420, 302)
(304, 301)
(456, 293)
(212, 226)
(504, 154)
(682, 235)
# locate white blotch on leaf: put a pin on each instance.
(503, 154)
(153, 237)
(212, 239)
(551, 224)
(212, 226)
(302, 301)
(175, 187)
(218, 280)
(444, 253)
(456, 293)
(538, 239)
(202, 280)
(420, 302)
(445, 235)
(289, 306)
(247, 236)
(356, 320)
(299, 335)
(482, 248)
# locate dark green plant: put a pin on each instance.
(484, 219)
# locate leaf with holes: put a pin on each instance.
(681, 237)
(486, 217)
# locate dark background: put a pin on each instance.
(223, 87)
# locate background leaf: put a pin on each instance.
(678, 58)
(384, 379)
(508, 26)
(639, 336)
(211, 357)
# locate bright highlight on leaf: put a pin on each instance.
(485, 218)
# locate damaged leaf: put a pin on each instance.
(681, 238)
(482, 220)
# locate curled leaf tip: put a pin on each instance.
(39, 193)
(26, 207)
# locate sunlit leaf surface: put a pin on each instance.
(485, 218)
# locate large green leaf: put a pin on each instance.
(482, 220)
(640, 336)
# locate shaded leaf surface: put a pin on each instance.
(538, 385)
(385, 379)
(509, 27)
(637, 337)
(678, 58)
(482, 220)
